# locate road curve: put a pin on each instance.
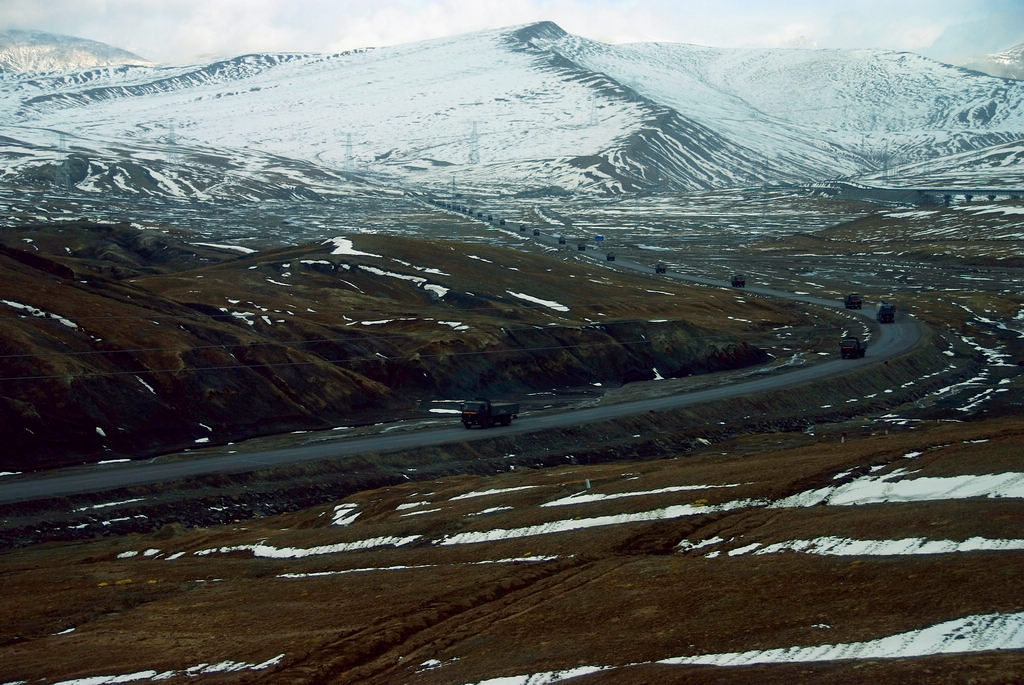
(894, 339)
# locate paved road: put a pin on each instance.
(893, 340)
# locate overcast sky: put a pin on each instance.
(185, 30)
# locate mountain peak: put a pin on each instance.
(38, 51)
(545, 30)
(1008, 63)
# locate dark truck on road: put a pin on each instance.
(852, 348)
(484, 413)
(739, 281)
(853, 301)
(886, 313)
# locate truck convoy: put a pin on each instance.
(852, 348)
(886, 312)
(484, 413)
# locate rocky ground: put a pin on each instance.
(849, 531)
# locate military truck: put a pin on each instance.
(852, 348)
(739, 281)
(660, 268)
(484, 413)
(610, 257)
(886, 312)
(853, 301)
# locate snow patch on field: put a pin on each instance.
(967, 634)
(39, 313)
(190, 672)
(842, 547)
(550, 304)
(272, 552)
(585, 497)
(495, 491)
(665, 513)
(978, 633)
(893, 487)
(344, 246)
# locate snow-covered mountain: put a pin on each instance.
(39, 52)
(523, 110)
(1006, 64)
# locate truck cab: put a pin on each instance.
(852, 348)
(853, 301)
(739, 281)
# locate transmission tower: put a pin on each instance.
(349, 159)
(172, 145)
(474, 146)
(63, 176)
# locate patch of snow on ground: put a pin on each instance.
(583, 497)
(967, 634)
(550, 304)
(893, 487)
(676, 511)
(496, 491)
(236, 248)
(344, 246)
(841, 547)
(39, 313)
(271, 552)
(190, 672)
(344, 514)
(978, 633)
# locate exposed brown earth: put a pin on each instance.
(618, 595)
(279, 597)
(286, 339)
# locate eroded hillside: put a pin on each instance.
(121, 342)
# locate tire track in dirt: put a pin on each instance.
(380, 652)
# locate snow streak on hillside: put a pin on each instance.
(530, 108)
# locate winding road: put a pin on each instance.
(894, 339)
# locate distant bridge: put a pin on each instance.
(912, 195)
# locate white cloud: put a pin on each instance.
(182, 30)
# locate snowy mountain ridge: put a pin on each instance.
(40, 52)
(1008, 63)
(522, 109)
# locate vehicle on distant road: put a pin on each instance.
(739, 281)
(886, 312)
(660, 268)
(484, 413)
(852, 348)
(853, 301)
